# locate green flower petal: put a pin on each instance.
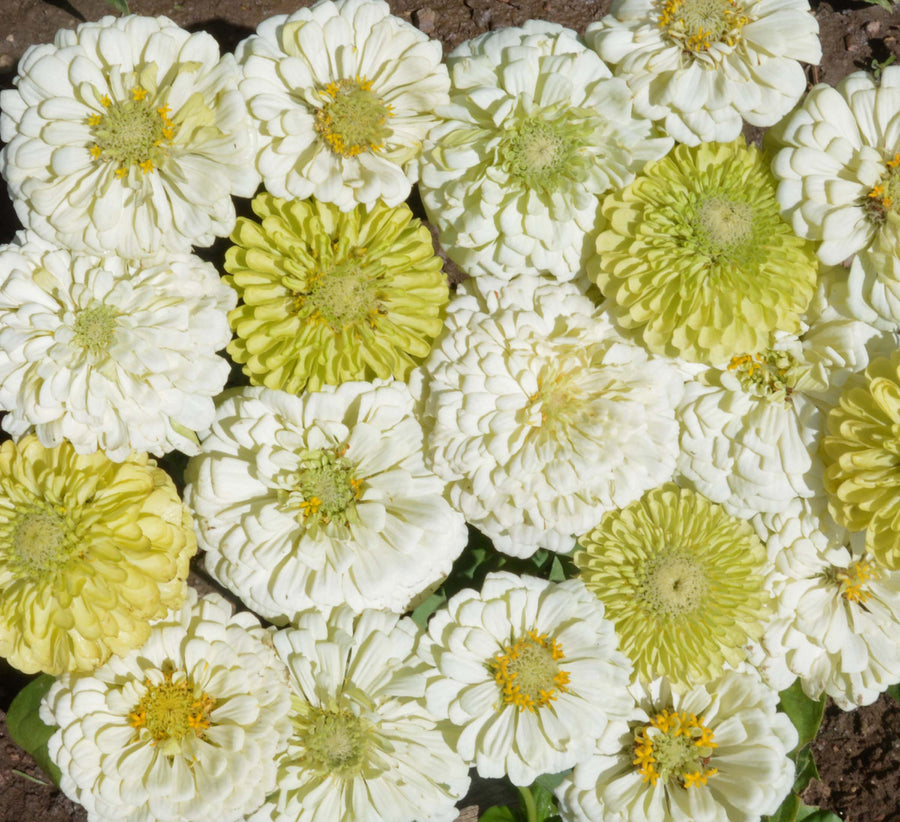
(862, 459)
(330, 296)
(682, 581)
(696, 255)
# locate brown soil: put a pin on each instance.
(858, 754)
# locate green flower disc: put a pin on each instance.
(328, 296)
(862, 459)
(696, 256)
(681, 579)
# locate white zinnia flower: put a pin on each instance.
(321, 499)
(536, 131)
(109, 354)
(542, 416)
(750, 430)
(187, 727)
(717, 752)
(342, 95)
(839, 172)
(838, 608)
(127, 135)
(702, 65)
(364, 748)
(529, 673)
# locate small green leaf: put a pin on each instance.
(25, 725)
(427, 607)
(894, 691)
(499, 813)
(810, 814)
(885, 4)
(120, 5)
(788, 810)
(805, 713)
(806, 769)
(550, 781)
(544, 803)
(557, 571)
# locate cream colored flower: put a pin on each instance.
(528, 673)
(321, 500)
(839, 168)
(838, 608)
(110, 354)
(127, 135)
(185, 728)
(703, 65)
(328, 297)
(90, 552)
(363, 746)
(682, 581)
(541, 416)
(536, 131)
(716, 753)
(342, 95)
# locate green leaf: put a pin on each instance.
(805, 713)
(894, 691)
(427, 607)
(120, 5)
(788, 810)
(25, 725)
(550, 781)
(544, 803)
(806, 769)
(810, 814)
(885, 4)
(499, 813)
(557, 571)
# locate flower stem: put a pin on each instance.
(528, 804)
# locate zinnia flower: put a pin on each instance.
(90, 552)
(110, 354)
(321, 499)
(363, 747)
(862, 460)
(716, 752)
(536, 131)
(184, 729)
(682, 580)
(838, 608)
(750, 431)
(127, 135)
(703, 65)
(528, 673)
(696, 257)
(328, 296)
(541, 416)
(342, 94)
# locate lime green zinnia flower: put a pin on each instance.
(90, 552)
(682, 581)
(328, 296)
(862, 459)
(696, 256)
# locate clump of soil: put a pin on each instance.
(858, 753)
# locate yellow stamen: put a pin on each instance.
(138, 93)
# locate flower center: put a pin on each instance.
(171, 710)
(673, 584)
(131, 133)
(674, 745)
(725, 224)
(770, 375)
(94, 329)
(697, 25)
(528, 671)
(43, 541)
(353, 118)
(335, 741)
(542, 153)
(343, 296)
(884, 197)
(325, 489)
(853, 579)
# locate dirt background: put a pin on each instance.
(858, 753)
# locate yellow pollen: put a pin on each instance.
(138, 93)
(94, 120)
(697, 25)
(752, 361)
(310, 506)
(170, 710)
(121, 171)
(876, 192)
(853, 580)
(528, 672)
(680, 751)
(105, 101)
(147, 166)
(893, 163)
(96, 151)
